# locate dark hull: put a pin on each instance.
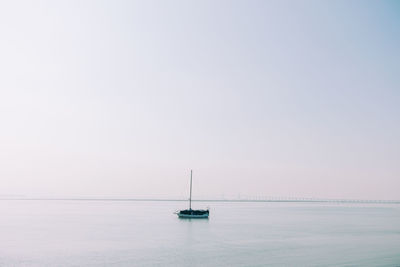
(200, 214)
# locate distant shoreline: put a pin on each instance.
(217, 200)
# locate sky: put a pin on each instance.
(259, 98)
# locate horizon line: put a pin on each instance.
(304, 200)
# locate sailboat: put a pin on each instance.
(189, 213)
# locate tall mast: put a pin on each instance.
(190, 198)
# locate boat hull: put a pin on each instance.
(194, 214)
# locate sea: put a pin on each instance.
(148, 233)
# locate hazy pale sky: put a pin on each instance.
(259, 98)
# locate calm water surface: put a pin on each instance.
(128, 233)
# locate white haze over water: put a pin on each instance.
(259, 98)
